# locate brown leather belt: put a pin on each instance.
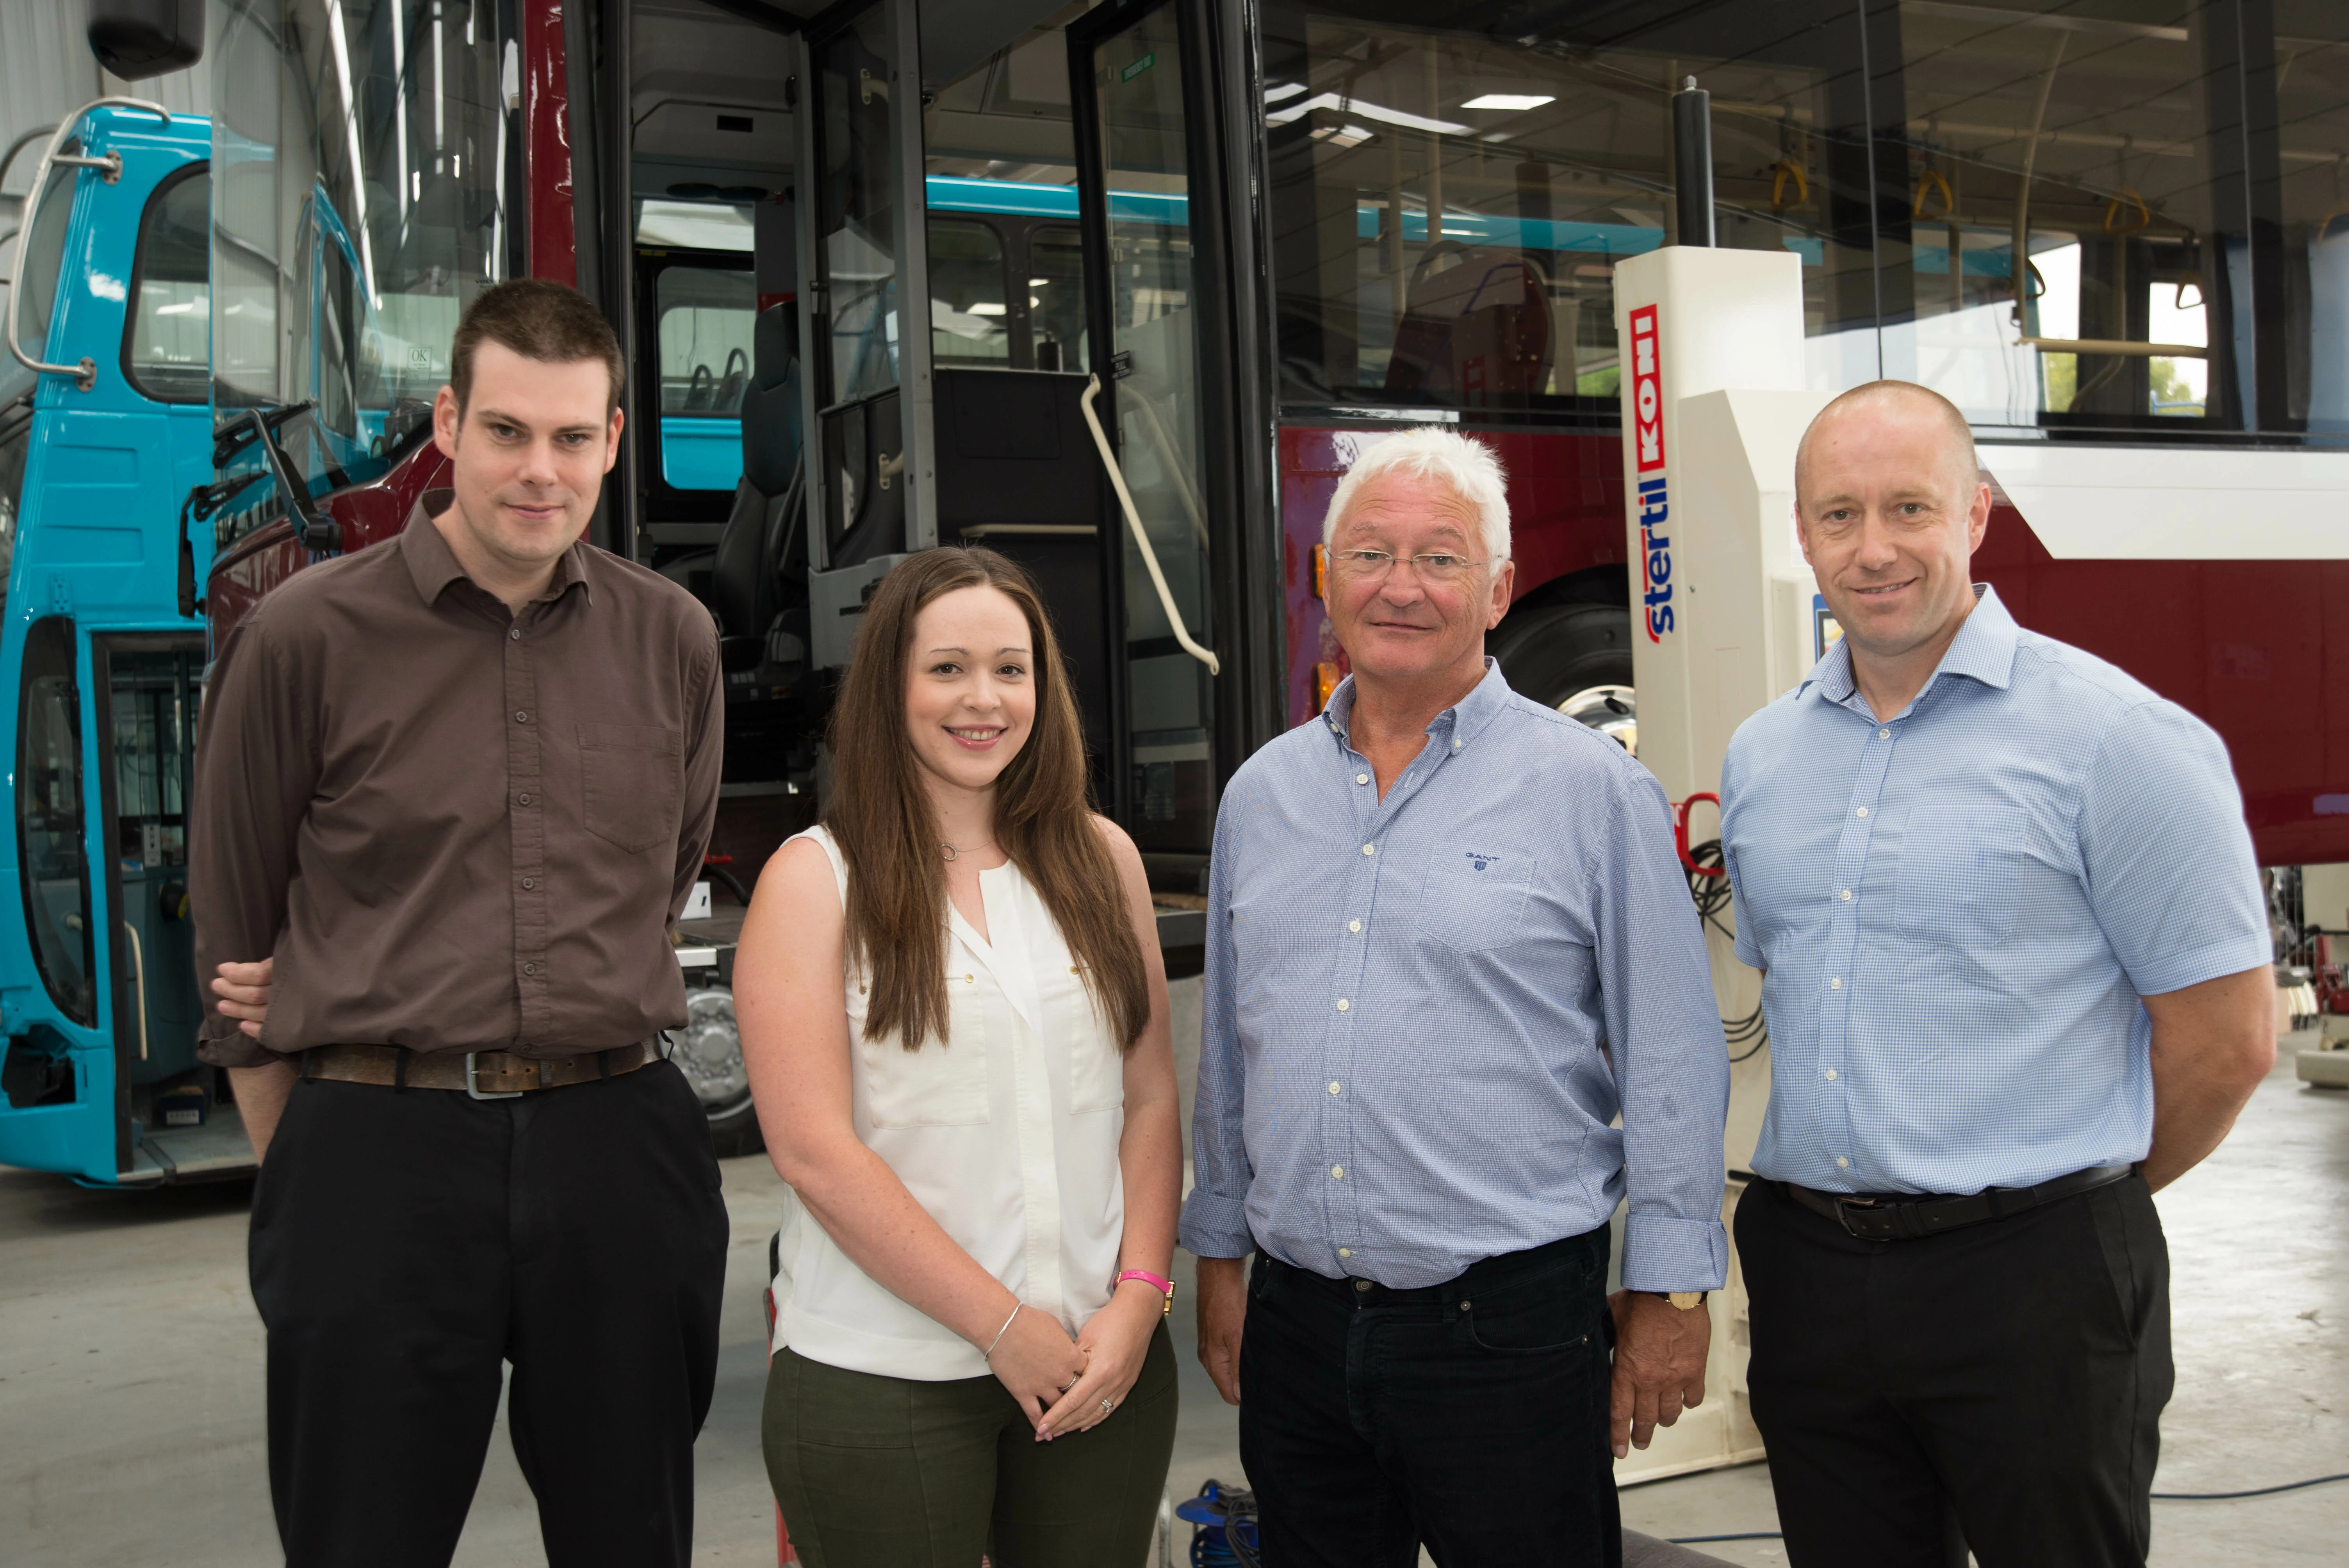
(484, 1074)
(1906, 1217)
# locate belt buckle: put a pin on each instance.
(1846, 1207)
(473, 1089)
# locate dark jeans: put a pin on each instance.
(408, 1243)
(1999, 1388)
(891, 1472)
(1471, 1416)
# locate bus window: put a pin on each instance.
(49, 855)
(969, 315)
(2312, 108)
(1448, 205)
(1144, 166)
(2126, 240)
(166, 345)
(401, 160)
(44, 249)
(1056, 297)
(705, 317)
(856, 215)
(15, 437)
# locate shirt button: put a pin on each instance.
(530, 968)
(1883, 735)
(522, 716)
(1841, 1163)
(529, 883)
(1370, 849)
(1360, 1283)
(1843, 893)
(970, 979)
(1344, 1006)
(1345, 1251)
(522, 799)
(515, 633)
(1863, 810)
(1836, 985)
(1831, 1075)
(1361, 777)
(1354, 925)
(1455, 745)
(1337, 1174)
(1333, 1086)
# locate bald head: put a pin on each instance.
(1903, 401)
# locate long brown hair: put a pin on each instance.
(879, 814)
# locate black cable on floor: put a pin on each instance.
(2157, 1497)
(2254, 1491)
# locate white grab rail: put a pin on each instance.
(1134, 522)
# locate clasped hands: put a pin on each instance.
(1072, 1385)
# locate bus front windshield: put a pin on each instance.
(366, 163)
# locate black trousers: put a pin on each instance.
(1998, 1388)
(406, 1243)
(1471, 1416)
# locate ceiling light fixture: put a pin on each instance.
(1510, 100)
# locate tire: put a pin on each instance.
(1576, 658)
(708, 1051)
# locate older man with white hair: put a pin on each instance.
(1448, 943)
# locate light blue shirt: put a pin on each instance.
(1960, 905)
(1422, 1012)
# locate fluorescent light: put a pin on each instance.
(1510, 100)
(1285, 90)
(985, 307)
(1368, 112)
(1348, 135)
(1038, 282)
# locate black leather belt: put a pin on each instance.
(1908, 1217)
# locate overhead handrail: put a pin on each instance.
(85, 374)
(1134, 522)
(15, 147)
(2019, 253)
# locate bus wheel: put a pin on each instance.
(708, 1051)
(1576, 658)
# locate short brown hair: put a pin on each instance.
(548, 321)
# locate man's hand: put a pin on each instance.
(1659, 1353)
(1223, 1314)
(243, 993)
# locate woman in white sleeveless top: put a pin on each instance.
(955, 1016)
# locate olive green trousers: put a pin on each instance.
(889, 1472)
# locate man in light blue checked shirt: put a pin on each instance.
(2017, 979)
(1448, 942)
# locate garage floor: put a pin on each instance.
(130, 1376)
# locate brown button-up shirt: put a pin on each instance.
(457, 829)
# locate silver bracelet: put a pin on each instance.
(1002, 1331)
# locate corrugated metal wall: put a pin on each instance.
(46, 72)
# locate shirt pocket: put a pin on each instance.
(1961, 874)
(944, 1084)
(1096, 1067)
(1474, 899)
(629, 783)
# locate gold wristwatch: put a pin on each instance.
(1686, 1300)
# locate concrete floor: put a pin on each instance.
(130, 1377)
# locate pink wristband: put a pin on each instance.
(1165, 1287)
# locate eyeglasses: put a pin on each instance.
(1435, 566)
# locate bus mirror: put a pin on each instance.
(136, 39)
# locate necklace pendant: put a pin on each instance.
(949, 852)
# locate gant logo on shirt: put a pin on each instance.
(1481, 860)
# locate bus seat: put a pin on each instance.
(1480, 325)
(750, 561)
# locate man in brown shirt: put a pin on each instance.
(456, 787)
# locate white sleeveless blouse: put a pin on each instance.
(1006, 1133)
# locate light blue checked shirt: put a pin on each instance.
(1960, 906)
(1422, 1012)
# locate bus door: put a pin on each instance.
(1159, 339)
(145, 688)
